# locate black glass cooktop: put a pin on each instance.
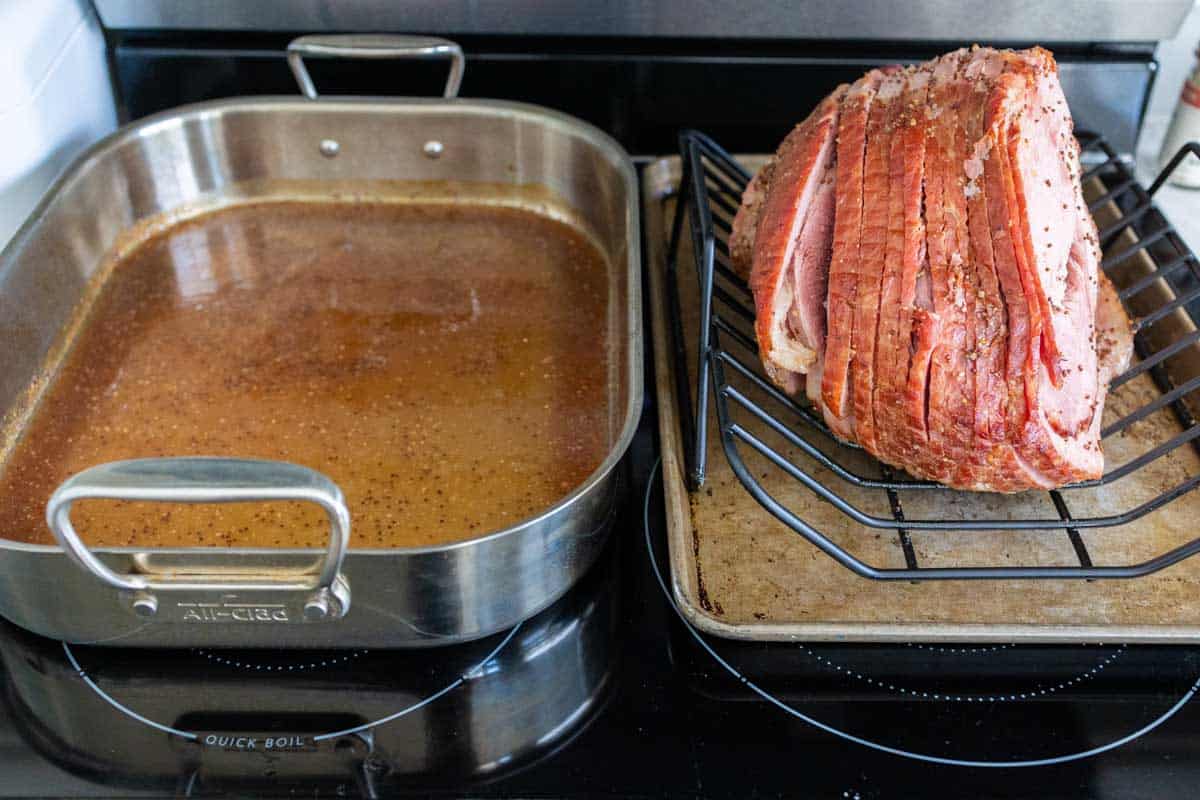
(605, 694)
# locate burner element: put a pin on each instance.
(1030, 692)
(921, 715)
(253, 661)
(280, 660)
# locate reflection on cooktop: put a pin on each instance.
(203, 720)
(606, 694)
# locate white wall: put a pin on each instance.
(55, 97)
(1175, 57)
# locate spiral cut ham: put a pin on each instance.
(925, 268)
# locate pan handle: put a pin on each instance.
(319, 593)
(362, 45)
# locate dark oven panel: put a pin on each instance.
(747, 94)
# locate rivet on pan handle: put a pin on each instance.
(355, 45)
(320, 593)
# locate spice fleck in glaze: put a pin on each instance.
(444, 364)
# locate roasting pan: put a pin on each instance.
(210, 155)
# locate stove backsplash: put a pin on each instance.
(747, 94)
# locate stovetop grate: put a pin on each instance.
(711, 187)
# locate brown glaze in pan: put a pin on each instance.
(445, 364)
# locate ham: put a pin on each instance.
(924, 268)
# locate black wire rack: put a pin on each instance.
(727, 364)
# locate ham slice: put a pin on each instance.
(745, 222)
(793, 226)
(924, 268)
(1058, 258)
(1114, 334)
(900, 414)
(881, 125)
(1061, 439)
(950, 405)
(990, 318)
(846, 255)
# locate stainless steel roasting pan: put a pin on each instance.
(206, 156)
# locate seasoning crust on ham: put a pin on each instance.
(925, 269)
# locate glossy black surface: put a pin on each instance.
(747, 95)
(660, 716)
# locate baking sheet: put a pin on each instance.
(740, 573)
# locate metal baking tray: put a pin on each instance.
(206, 156)
(739, 572)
